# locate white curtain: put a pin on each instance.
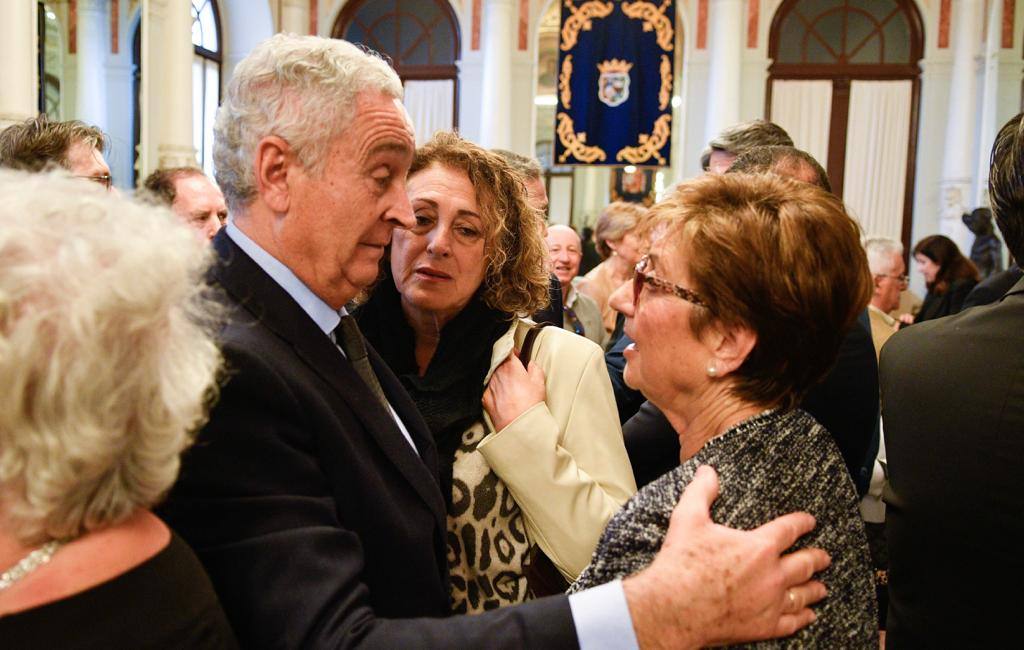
(804, 109)
(874, 182)
(430, 107)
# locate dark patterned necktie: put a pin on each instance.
(574, 322)
(350, 339)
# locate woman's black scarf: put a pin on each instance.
(448, 395)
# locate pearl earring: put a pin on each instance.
(712, 368)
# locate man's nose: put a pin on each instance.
(400, 212)
(211, 226)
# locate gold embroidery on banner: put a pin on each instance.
(576, 143)
(665, 94)
(654, 20)
(614, 65)
(649, 144)
(563, 81)
(580, 20)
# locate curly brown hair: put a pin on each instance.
(516, 281)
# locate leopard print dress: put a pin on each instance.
(487, 540)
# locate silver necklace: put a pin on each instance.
(29, 563)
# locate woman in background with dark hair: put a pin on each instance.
(948, 275)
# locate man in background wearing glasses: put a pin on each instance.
(885, 259)
(39, 142)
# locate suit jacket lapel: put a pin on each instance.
(259, 294)
(407, 411)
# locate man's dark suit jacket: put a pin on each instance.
(953, 409)
(845, 403)
(993, 287)
(317, 522)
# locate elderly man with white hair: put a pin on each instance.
(312, 494)
(888, 270)
(580, 313)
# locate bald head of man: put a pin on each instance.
(566, 251)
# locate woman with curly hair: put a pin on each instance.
(108, 362)
(545, 466)
(948, 275)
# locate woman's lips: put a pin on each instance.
(427, 273)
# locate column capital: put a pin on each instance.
(169, 155)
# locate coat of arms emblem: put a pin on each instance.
(613, 84)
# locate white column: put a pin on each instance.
(496, 103)
(18, 44)
(989, 101)
(295, 16)
(90, 62)
(726, 29)
(961, 126)
(167, 85)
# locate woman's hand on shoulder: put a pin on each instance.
(906, 319)
(512, 391)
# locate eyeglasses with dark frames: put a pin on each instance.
(106, 180)
(641, 278)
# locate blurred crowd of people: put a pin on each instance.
(358, 393)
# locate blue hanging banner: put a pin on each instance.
(615, 83)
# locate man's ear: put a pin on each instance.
(876, 285)
(730, 346)
(272, 162)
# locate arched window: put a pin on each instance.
(421, 37)
(205, 78)
(838, 63)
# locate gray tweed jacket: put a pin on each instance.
(768, 465)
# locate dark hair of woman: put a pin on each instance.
(952, 263)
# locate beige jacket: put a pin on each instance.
(882, 327)
(564, 460)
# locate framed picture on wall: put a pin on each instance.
(635, 185)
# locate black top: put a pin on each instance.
(165, 602)
(937, 305)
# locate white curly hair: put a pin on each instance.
(300, 88)
(108, 360)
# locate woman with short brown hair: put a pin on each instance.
(737, 311)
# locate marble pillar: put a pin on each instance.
(725, 51)
(167, 85)
(295, 16)
(958, 164)
(93, 43)
(496, 100)
(18, 45)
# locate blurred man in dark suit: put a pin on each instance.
(953, 409)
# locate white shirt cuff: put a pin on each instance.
(601, 617)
